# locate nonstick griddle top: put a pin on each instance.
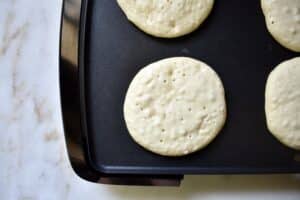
(233, 40)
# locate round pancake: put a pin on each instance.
(283, 21)
(282, 103)
(167, 18)
(175, 106)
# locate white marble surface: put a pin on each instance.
(33, 160)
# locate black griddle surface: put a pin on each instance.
(233, 40)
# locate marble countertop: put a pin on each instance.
(33, 158)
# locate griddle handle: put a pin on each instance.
(148, 180)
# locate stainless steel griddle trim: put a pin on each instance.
(72, 102)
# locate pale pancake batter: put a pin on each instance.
(175, 106)
(283, 103)
(283, 21)
(167, 18)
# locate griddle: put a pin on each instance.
(101, 51)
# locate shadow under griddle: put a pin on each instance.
(213, 184)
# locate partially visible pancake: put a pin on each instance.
(283, 21)
(282, 103)
(167, 18)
